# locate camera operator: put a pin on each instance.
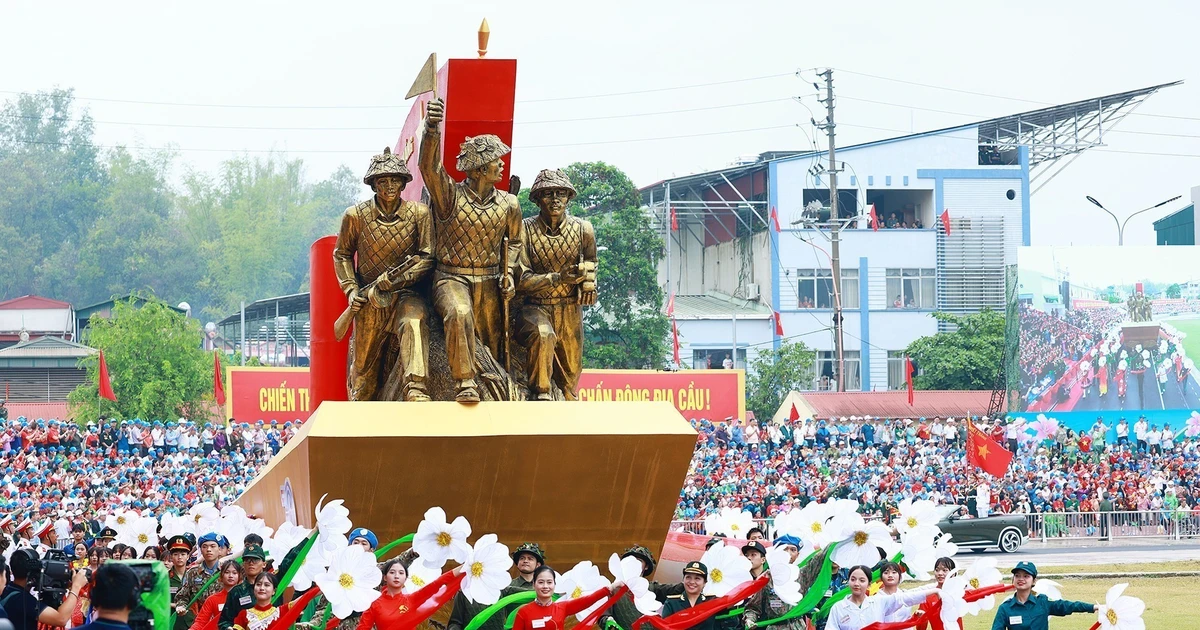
(23, 609)
(114, 596)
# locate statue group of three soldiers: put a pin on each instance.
(477, 253)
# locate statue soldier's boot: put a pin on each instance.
(467, 391)
(414, 391)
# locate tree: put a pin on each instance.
(968, 357)
(773, 374)
(1174, 291)
(602, 188)
(155, 362)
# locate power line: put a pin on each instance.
(690, 135)
(664, 89)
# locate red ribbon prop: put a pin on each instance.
(289, 616)
(591, 620)
(687, 618)
(932, 612)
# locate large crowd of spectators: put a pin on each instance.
(881, 462)
(56, 468)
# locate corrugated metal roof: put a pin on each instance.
(926, 404)
(713, 305)
(36, 410)
(46, 347)
(31, 302)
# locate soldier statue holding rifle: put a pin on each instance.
(392, 241)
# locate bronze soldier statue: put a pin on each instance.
(393, 242)
(475, 221)
(558, 278)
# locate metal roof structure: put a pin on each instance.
(33, 302)
(926, 404)
(716, 305)
(293, 304)
(44, 352)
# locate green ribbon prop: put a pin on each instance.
(732, 613)
(512, 616)
(845, 591)
(286, 579)
(485, 614)
(611, 624)
(204, 587)
(328, 614)
(814, 594)
(392, 545)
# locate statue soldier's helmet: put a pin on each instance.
(552, 179)
(479, 150)
(387, 163)
(532, 549)
(641, 553)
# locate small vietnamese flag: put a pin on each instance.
(909, 372)
(778, 324)
(671, 306)
(106, 390)
(946, 220)
(874, 218)
(775, 219)
(794, 414)
(674, 221)
(986, 453)
(218, 388)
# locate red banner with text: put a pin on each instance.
(267, 393)
(712, 394)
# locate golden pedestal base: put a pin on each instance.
(582, 479)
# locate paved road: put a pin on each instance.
(1092, 554)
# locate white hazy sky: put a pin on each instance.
(344, 67)
(1099, 267)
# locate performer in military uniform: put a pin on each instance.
(192, 592)
(766, 603)
(695, 577)
(527, 558)
(475, 221)
(179, 548)
(384, 232)
(558, 278)
(623, 610)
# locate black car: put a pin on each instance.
(1004, 531)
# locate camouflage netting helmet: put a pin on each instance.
(552, 179)
(387, 163)
(479, 150)
(641, 553)
(532, 549)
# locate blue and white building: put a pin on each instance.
(733, 271)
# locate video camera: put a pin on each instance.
(50, 576)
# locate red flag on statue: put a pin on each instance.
(775, 219)
(984, 452)
(218, 388)
(106, 390)
(778, 323)
(909, 372)
(946, 220)
(874, 218)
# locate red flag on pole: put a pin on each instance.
(674, 221)
(909, 371)
(794, 414)
(106, 390)
(874, 218)
(778, 324)
(671, 305)
(675, 340)
(218, 388)
(775, 219)
(984, 452)
(946, 220)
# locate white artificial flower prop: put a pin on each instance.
(233, 511)
(121, 520)
(628, 570)
(727, 569)
(583, 579)
(315, 563)
(350, 583)
(1121, 612)
(952, 594)
(921, 554)
(204, 518)
(811, 523)
(333, 522)
(486, 570)
(173, 525)
(918, 517)
(436, 540)
(858, 542)
(284, 540)
(1049, 588)
(981, 573)
(419, 576)
(142, 532)
(729, 522)
(784, 575)
(258, 526)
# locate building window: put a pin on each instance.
(714, 359)
(895, 364)
(814, 288)
(825, 370)
(911, 288)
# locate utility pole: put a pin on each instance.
(835, 226)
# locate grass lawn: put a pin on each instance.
(1127, 567)
(1191, 343)
(1170, 602)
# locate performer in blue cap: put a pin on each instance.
(189, 596)
(364, 537)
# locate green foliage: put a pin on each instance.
(1174, 291)
(528, 208)
(155, 364)
(967, 358)
(602, 188)
(775, 373)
